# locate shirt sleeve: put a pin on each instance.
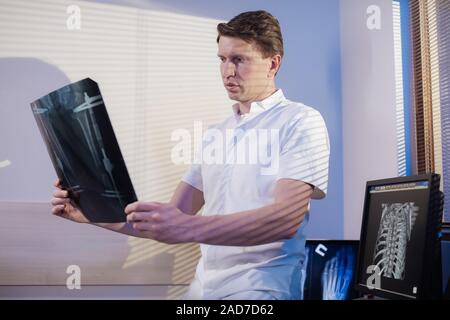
(193, 176)
(304, 155)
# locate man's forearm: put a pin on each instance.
(127, 228)
(124, 228)
(253, 227)
(168, 223)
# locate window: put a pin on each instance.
(430, 49)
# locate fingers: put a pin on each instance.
(142, 206)
(137, 216)
(58, 193)
(58, 210)
(57, 183)
(60, 201)
(143, 216)
(143, 226)
(60, 197)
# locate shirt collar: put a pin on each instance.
(258, 107)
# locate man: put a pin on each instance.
(252, 230)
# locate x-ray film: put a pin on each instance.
(80, 140)
(328, 271)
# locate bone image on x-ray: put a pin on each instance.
(86, 118)
(57, 149)
(396, 224)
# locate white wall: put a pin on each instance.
(149, 72)
(157, 71)
(368, 105)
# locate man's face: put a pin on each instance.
(245, 73)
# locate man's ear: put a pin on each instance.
(274, 66)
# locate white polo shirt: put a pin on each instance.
(237, 167)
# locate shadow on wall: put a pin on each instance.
(27, 175)
(26, 172)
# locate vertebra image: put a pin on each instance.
(394, 233)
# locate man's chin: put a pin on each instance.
(233, 96)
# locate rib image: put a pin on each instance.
(396, 224)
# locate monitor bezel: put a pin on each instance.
(377, 292)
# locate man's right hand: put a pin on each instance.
(63, 206)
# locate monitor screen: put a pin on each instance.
(399, 236)
(329, 270)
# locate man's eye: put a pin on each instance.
(238, 60)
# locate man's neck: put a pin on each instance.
(244, 106)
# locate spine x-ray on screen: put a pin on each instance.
(76, 129)
(399, 238)
(394, 233)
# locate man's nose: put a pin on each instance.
(229, 69)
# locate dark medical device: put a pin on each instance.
(400, 251)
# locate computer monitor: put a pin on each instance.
(329, 270)
(399, 255)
